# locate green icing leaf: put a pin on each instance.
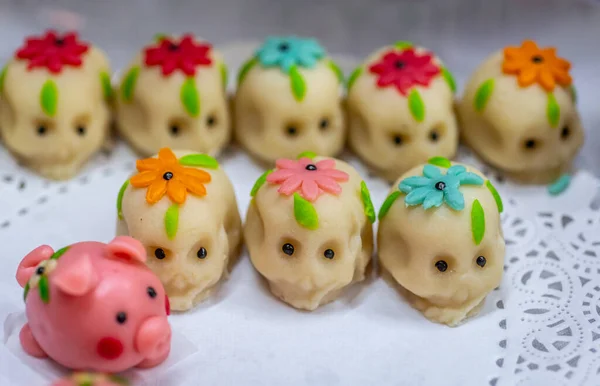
(477, 222)
(572, 89)
(119, 380)
(260, 182)
(59, 253)
(483, 94)
(120, 199)
(305, 213)
(201, 160)
(365, 195)
(297, 83)
(387, 204)
(353, 76)
(26, 291)
(44, 289)
(496, 195)
(449, 79)
(172, 221)
(245, 69)
(402, 44)
(129, 83)
(560, 185)
(553, 110)
(416, 105)
(189, 97)
(2, 77)
(106, 85)
(338, 72)
(440, 161)
(224, 75)
(160, 36)
(307, 154)
(49, 97)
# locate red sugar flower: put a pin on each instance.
(405, 69)
(53, 51)
(184, 55)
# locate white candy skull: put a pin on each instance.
(400, 109)
(54, 113)
(173, 94)
(288, 101)
(308, 230)
(182, 207)
(518, 113)
(440, 239)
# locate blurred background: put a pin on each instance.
(461, 32)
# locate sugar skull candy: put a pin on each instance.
(173, 94)
(289, 101)
(400, 109)
(518, 113)
(182, 207)
(54, 103)
(94, 306)
(308, 229)
(92, 379)
(441, 241)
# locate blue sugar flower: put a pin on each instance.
(435, 188)
(289, 51)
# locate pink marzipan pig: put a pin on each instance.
(94, 306)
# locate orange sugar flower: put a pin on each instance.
(164, 175)
(532, 64)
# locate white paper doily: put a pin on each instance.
(540, 327)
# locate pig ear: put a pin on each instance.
(125, 247)
(29, 262)
(76, 278)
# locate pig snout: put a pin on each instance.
(153, 338)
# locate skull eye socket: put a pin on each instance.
(441, 265)
(211, 120)
(288, 249)
(398, 139)
(160, 253)
(174, 130)
(531, 144)
(81, 130)
(202, 253)
(434, 136)
(436, 133)
(565, 133)
(329, 254)
(291, 131)
(481, 261)
(43, 127)
(324, 124)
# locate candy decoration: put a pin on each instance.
(129, 83)
(189, 97)
(106, 85)
(365, 195)
(477, 222)
(403, 45)
(307, 154)
(553, 110)
(185, 55)
(559, 185)
(483, 94)
(172, 221)
(338, 72)
(449, 79)
(353, 76)
(199, 160)
(387, 204)
(59, 253)
(49, 97)
(260, 182)
(416, 105)
(120, 199)
(53, 52)
(572, 89)
(224, 75)
(305, 213)
(289, 51)
(440, 161)
(245, 69)
(297, 83)
(2, 77)
(159, 37)
(496, 195)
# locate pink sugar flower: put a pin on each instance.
(310, 179)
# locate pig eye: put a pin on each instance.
(121, 317)
(441, 265)
(151, 292)
(288, 249)
(159, 253)
(324, 124)
(329, 254)
(202, 253)
(481, 261)
(530, 144)
(211, 121)
(81, 130)
(565, 133)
